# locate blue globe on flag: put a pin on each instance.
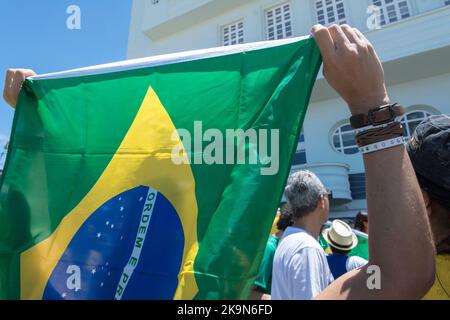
(129, 248)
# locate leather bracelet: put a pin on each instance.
(363, 129)
(377, 116)
(392, 131)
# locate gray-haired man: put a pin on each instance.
(300, 268)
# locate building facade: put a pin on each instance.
(412, 38)
(3, 152)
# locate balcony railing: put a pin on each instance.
(335, 177)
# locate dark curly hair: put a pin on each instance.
(285, 219)
(361, 217)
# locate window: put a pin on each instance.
(330, 11)
(233, 33)
(279, 22)
(392, 10)
(411, 120)
(300, 154)
(343, 137)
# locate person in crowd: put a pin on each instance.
(300, 268)
(362, 222)
(275, 222)
(353, 69)
(263, 282)
(429, 151)
(341, 239)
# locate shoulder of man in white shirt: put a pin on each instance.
(300, 237)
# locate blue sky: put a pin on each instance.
(34, 35)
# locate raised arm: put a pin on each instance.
(400, 241)
(13, 83)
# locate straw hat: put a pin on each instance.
(340, 236)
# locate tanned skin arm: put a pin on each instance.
(400, 241)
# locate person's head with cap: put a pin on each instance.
(429, 151)
(307, 200)
(340, 237)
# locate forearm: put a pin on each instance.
(400, 241)
(398, 218)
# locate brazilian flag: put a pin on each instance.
(120, 182)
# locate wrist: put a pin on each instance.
(362, 106)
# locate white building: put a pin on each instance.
(3, 151)
(413, 43)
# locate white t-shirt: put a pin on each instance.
(300, 267)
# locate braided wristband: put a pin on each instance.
(391, 131)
